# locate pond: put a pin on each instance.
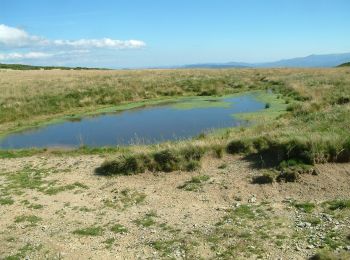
(186, 118)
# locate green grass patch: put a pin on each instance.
(34, 179)
(32, 219)
(306, 207)
(147, 220)
(119, 229)
(53, 190)
(338, 204)
(195, 183)
(23, 252)
(109, 242)
(89, 231)
(126, 198)
(6, 201)
(201, 103)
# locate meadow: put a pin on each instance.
(316, 100)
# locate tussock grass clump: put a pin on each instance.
(329, 255)
(338, 204)
(267, 177)
(286, 171)
(126, 165)
(166, 160)
(301, 149)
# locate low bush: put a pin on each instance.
(267, 177)
(126, 165)
(307, 207)
(166, 160)
(300, 149)
(338, 204)
(239, 146)
(218, 151)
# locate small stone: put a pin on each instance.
(310, 247)
(301, 224)
(315, 171)
(237, 204)
(252, 199)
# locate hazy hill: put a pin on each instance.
(347, 64)
(318, 61)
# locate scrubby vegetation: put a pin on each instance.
(167, 160)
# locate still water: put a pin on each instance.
(144, 125)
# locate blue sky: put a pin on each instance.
(144, 33)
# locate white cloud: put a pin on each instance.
(14, 37)
(100, 43)
(11, 37)
(22, 56)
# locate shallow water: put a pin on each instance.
(145, 125)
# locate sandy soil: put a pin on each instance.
(175, 215)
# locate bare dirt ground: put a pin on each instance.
(56, 208)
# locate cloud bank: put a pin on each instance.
(14, 41)
(22, 56)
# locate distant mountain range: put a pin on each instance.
(318, 61)
(311, 61)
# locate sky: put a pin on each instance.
(152, 33)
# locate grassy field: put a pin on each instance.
(316, 100)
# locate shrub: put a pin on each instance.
(343, 100)
(239, 146)
(209, 92)
(126, 165)
(338, 204)
(344, 154)
(328, 255)
(167, 161)
(301, 150)
(193, 152)
(192, 165)
(267, 177)
(288, 175)
(218, 151)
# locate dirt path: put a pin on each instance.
(57, 208)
